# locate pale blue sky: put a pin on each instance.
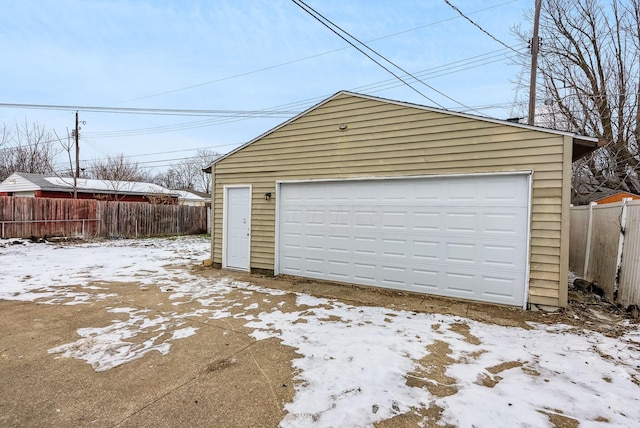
(143, 53)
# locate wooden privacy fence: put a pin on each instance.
(605, 248)
(87, 218)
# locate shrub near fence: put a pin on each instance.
(41, 217)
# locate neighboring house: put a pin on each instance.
(370, 191)
(604, 196)
(51, 186)
(193, 198)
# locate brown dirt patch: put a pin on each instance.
(504, 366)
(488, 381)
(464, 330)
(558, 420)
(426, 417)
(431, 371)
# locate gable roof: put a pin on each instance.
(582, 145)
(53, 183)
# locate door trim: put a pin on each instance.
(276, 241)
(406, 177)
(225, 219)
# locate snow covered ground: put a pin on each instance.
(358, 365)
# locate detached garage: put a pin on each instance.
(375, 192)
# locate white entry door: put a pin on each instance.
(454, 236)
(237, 224)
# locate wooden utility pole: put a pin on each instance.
(535, 45)
(77, 135)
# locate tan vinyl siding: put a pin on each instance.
(388, 139)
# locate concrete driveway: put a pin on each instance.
(219, 377)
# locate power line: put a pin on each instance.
(150, 111)
(478, 26)
(445, 69)
(90, 163)
(327, 23)
(437, 72)
(189, 125)
(504, 105)
(150, 164)
(179, 151)
(271, 67)
(296, 107)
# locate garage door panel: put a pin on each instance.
(495, 254)
(460, 284)
(394, 248)
(365, 246)
(338, 245)
(425, 251)
(460, 191)
(503, 223)
(293, 264)
(314, 242)
(291, 242)
(339, 218)
(292, 216)
(365, 271)
(451, 236)
(426, 221)
(499, 286)
(508, 256)
(366, 217)
(462, 222)
(503, 192)
(461, 253)
(426, 280)
(314, 217)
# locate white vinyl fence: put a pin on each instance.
(605, 248)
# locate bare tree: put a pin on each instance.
(205, 158)
(117, 168)
(68, 145)
(27, 148)
(4, 135)
(188, 174)
(6, 157)
(118, 173)
(590, 73)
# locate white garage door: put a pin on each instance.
(457, 236)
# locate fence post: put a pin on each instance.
(623, 227)
(587, 253)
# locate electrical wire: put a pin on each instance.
(152, 111)
(330, 25)
(454, 67)
(271, 67)
(327, 23)
(295, 107)
(437, 72)
(478, 26)
(180, 151)
(446, 69)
